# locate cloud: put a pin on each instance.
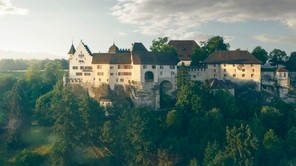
(276, 39)
(6, 7)
(183, 18)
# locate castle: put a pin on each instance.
(146, 73)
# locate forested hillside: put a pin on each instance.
(43, 122)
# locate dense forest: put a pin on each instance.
(43, 122)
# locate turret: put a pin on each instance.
(71, 51)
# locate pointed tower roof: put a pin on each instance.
(72, 50)
(113, 49)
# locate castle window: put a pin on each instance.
(160, 72)
(111, 67)
(225, 75)
(252, 65)
(99, 67)
(243, 70)
(253, 70)
(285, 75)
(81, 67)
(233, 65)
(172, 73)
(161, 67)
(111, 74)
(144, 66)
(75, 67)
(100, 73)
(214, 65)
(121, 80)
(252, 75)
(224, 65)
(243, 75)
(153, 66)
(128, 66)
(214, 70)
(79, 74)
(224, 70)
(215, 75)
(172, 67)
(87, 74)
(81, 61)
(99, 79)
(149, 76)
(116, 79)
(234, 75)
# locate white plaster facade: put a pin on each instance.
(86, 71)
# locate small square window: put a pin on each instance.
(243, 75)
(234, 75)
(172, 67)
(144, 66)
(153, 66)
(161, 67)
(225, 75)
(252, 75)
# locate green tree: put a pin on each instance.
(260, 54)
(161, 45)
(241, 145)
(216, 43)
(207, 48)
(291, 63)
(272, 148)
(277, 57)
(53, 72)
(28, 158)
(212, 154)
(291, 142)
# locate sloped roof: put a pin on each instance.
(221, 84)
(281, 70)
(232, 57)
(87, 49)
(139, 54)
(156, 58)
(185, 48)
(72, 50)
(111, 58)
(138, 47)
(113, 49)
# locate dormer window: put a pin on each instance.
(80, 55)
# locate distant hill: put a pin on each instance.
(28, 55)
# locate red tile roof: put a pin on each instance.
(232, 57)
(185, 48)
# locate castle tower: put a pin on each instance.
(71, 51)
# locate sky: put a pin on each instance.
(46, 28)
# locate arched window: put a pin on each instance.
(165, 86)
(149, 76)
